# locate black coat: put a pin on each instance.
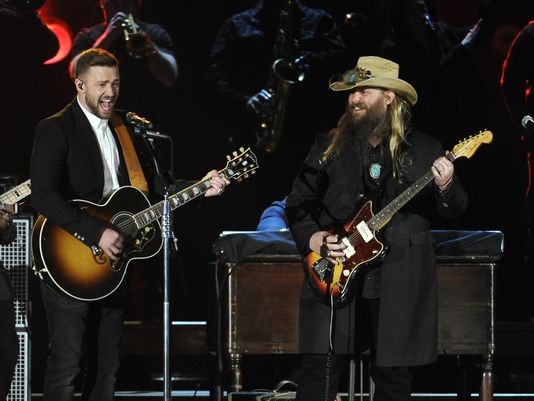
(326, 195)
(67, 164)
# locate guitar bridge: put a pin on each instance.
(323, 269)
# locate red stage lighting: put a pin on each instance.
(62, 32)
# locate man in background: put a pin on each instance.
(148, 63)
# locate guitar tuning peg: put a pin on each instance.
(234, 153)
(239, 179)
(245, 175)
(253, 172)
(241, 149)
(228, 157)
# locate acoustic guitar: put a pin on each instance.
(87, 273)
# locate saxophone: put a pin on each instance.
(284, 72)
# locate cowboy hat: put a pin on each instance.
(375, 72)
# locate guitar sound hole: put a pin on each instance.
(125, 223)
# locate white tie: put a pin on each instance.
(109, 158)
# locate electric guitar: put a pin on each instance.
(331, 283)
(87, 273)
(9, 200)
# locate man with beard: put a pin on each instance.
(83, 153)
(372, 154)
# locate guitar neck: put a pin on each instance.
(239, 167)
(380, 219)
(16, 194)
(176, 200)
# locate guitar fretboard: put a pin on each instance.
(16, 194)
(154, 212)
(241, 166)
(380, 219)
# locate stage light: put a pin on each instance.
(63, 35)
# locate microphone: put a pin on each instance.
(138, 121)
(528, 123)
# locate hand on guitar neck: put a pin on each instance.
(218, 183)
(5, 215)
(443, 171)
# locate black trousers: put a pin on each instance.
(319, 371)
(75, 327)
(9, 346)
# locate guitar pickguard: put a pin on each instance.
(135, 239)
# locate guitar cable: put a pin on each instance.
(328, 364)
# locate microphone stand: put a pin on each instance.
(167, 234)
(145, 133)
(166, 230)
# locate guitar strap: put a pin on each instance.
(135, 172)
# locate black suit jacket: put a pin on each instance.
(66, 164)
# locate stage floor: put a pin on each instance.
(204, 396)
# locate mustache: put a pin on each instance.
(355, 105)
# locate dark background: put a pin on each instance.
(495, 178)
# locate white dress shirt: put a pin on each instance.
(108, 150)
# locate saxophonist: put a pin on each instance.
(145, 51)
(304, 46)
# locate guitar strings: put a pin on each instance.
(150, 214)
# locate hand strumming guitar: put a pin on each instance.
(111, 242)
(327, 245)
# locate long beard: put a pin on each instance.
(376, 122)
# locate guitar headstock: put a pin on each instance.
(241, 165)
(468, 146)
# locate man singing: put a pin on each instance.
(80, 153)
